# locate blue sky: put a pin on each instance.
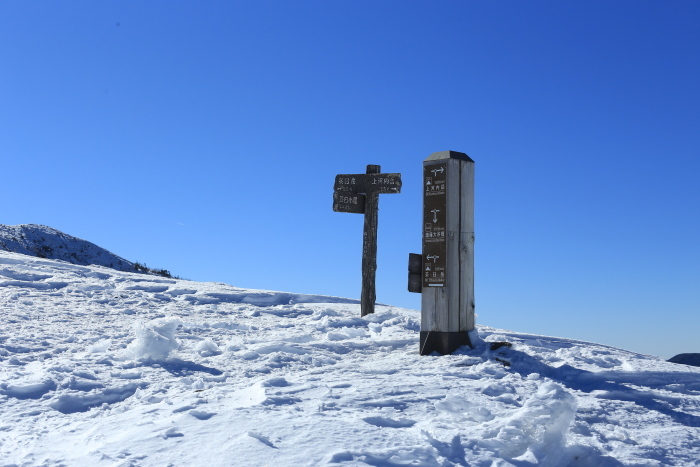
(204, 138)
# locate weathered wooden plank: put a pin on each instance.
(369, 249)
(467, 196)
(433, 298)
(466, 248)
(427, 317)
(451, 321)
(466, 282)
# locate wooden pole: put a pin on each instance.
(369, 249)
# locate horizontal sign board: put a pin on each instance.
(349, 202)
(368, 183)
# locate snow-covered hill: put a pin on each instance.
(47, 242)
(102, 367)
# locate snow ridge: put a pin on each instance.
(47, 242)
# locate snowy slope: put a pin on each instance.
(47, 242)
(101, 367)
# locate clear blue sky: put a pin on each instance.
(204, 137)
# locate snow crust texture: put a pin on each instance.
(102, 367)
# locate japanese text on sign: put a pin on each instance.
(368, 183)
(349, 202)
(434, 225)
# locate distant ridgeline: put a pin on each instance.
(692, 359)
(46, 242)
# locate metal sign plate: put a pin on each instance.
(368, 183)
(349, 202)
(434, 225)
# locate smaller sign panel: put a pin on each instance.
(349, 202)
(415, 272)
(368, 183)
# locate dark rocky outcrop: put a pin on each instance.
(692, 359)
(47, 242)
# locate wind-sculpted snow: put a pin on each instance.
(114, 368)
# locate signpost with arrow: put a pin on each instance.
(447, 263)
(359, 194)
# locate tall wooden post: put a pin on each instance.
(369, 249)
(447, 308)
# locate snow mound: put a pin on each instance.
(155, 340)
(537, 431)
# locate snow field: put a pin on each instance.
(101, 367)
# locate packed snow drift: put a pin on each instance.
(103, 367)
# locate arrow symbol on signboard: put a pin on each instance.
(433, 258)
(435, 171)
(435, 211)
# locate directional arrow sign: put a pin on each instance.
(435, 225)
(359, 193)
(349, 202)
(368, 183)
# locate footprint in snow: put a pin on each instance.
(281, 400)
(393, 403)
(386, 422)
(149, 288)
(263, 439)
(35, 285)
(172, 433)
(496, 389)
(19, 276)
(276, 383)
(72, 403)
(184, 408)
(341, 386)
(201, 415)
(28, 391)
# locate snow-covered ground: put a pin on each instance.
(102, 367)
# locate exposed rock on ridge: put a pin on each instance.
(692, 359)
(47, 242)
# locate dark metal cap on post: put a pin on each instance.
(449, 155)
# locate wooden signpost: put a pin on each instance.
(359, 194)
(446, 266)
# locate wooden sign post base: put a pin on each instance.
(442, 342)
